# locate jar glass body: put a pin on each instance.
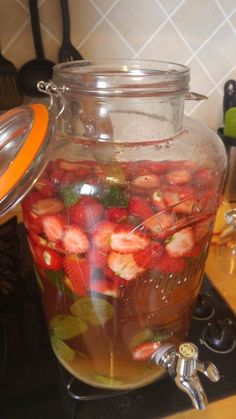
(120, 221)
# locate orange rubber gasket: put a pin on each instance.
(28, 151)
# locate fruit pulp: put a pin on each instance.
(119, 251)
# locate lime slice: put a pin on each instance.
(140, 337)
(107, 381)
(62, 349)
(67, 327)
(92, 310)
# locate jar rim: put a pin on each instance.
(122, 77)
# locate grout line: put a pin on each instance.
(160, 27)
(227, 17)
(107, 20)
(50, 33)
(102, 18)
(214, 88)
(17, 34)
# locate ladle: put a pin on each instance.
(39, 68)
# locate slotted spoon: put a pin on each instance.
(67, 52)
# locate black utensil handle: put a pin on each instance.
(229, 95)
(66, 20)
(35, 23)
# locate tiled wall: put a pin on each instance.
(200, 33)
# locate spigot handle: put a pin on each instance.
(209, 370)
(183, 365)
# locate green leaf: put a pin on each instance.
(115, 196)
(70, 194)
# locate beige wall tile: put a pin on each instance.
(136, 20)
(12, 18)
(196, 20)
(83, 18)
(219, 54)
(228, 5)
(105, 43)
(233, 19)
(170, 5)
(104, 5)
(166, 45)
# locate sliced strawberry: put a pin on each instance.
(167, 264)
(117, 214)
(48, 206)
(158, 201)
(159, 222)
(145, 350)
(104, 286)
(75, 240)
(78, 272)
(126, 239)
(37, 239)
(86, 213)
(148, 257)
(48, 258)
(203, 177)
(159, 167)
(32, 221)
(180, 243)
(46, 187)
(146, 181)
(53, 227)
(139, 207)
(96, 257)
(195, 251)
(181, 199)
(124, 265)
(102, 236)
(30, 199)
(179, 177)
(77, 167)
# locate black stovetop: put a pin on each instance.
(32, 384)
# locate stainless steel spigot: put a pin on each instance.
(183, 365)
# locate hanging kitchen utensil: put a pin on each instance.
(229, 96)
(9, 93)
(40, 68)
(67, 51)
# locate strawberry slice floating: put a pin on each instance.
(179, 177)
(78, 272)
(139, 207)
(48, 258)
(75, 240)
(180, 243)
(102, 236)
(148, 257)
(124, 266)
(53, 227)
(145, 350)
(146, 181)
(126, 239)
(48, 206)
(105, 286)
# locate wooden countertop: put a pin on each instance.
(226, 285)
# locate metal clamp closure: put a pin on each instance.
(53, 91)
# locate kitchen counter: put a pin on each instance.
(225, 283)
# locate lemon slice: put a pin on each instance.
(92, 310)
(62, 349)
(67, 327)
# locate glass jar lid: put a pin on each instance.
(25, 134)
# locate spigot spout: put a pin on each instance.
(183, 365)
(193, 388)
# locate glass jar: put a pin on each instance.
(119, 216)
